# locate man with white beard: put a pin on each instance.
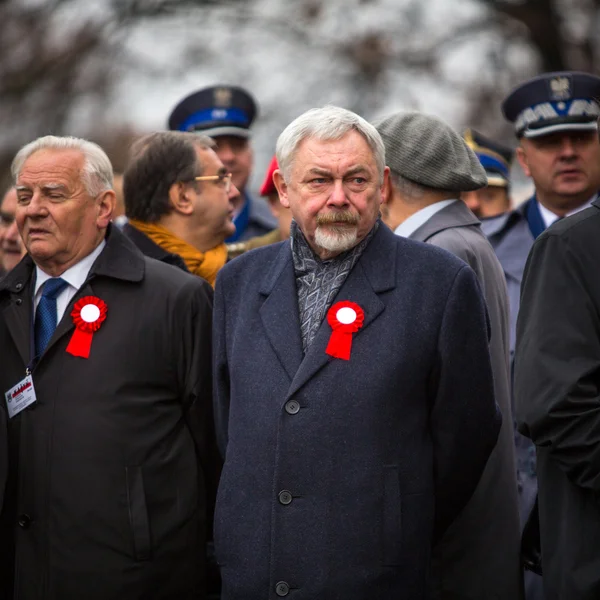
(354, 394)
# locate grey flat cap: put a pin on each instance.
(425, 150)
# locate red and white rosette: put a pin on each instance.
(345, 319)
(88, 314)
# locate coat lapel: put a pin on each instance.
(279, 312)
(374, 272)
(120, 259)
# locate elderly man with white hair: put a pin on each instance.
(107, 398)
(354, 396)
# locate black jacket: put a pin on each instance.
(557, 393)
(112, 469)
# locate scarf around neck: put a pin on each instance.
(205, 264)
(318, 281)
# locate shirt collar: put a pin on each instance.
(76, 275)
(549, 217)
(408, 227)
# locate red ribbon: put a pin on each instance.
(88, 314)
(345, 319)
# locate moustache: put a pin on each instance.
(345, 217)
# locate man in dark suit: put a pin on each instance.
(107, 395)
(557, 395)
(554, 116)
(430, 165)
(354, 393)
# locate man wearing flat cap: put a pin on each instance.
(354, 393)
(226, 113)
(493, 199)
(557, 361)
(430, 166)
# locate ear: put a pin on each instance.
(181, 198)
(522, 158)
(282, 188)
(105, 206)
(386, 187)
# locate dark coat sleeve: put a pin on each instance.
(220, 369)
(194, 305)
(465, 419)
(3, 452)
(557, 364)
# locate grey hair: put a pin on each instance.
(327, 123)
(97, 175)
(409, 190)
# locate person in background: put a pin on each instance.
(430, 167)
(226, 113)
(106, 374)
(554, 116)
(12, 249)
(280, 212)
(346, 455)
(178, 201)
(493, 199)
(557, 398)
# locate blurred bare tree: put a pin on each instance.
(59, 58)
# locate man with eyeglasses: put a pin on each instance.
(226, 113)
(178, 200)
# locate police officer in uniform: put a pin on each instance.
(226, 113)
(555, 118)
(494, 199)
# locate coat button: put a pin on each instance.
(18, 286)
(24, 521)
(19, 301)
(292, 407)
(282, 589)
(285, 497)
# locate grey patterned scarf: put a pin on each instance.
(318, 281)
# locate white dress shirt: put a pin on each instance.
(421, 217)
(549, 217)
(75, 276)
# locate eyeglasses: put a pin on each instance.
(223, 178)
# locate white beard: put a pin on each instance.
(335, 241)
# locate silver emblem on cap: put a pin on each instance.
(222, 97)
(560, 88)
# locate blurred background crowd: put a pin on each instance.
(113, 69)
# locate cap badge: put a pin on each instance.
(222, 97)
(560, 88)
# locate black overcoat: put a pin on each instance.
(110, 468)
(557, 394)
(338, 474)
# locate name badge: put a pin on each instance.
(20, 397)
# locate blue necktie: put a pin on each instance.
(45, 316)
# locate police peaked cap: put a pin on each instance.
(554, 102)
(494, 157)
(214, 111)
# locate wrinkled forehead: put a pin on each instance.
(349, 152)
(51, 167)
